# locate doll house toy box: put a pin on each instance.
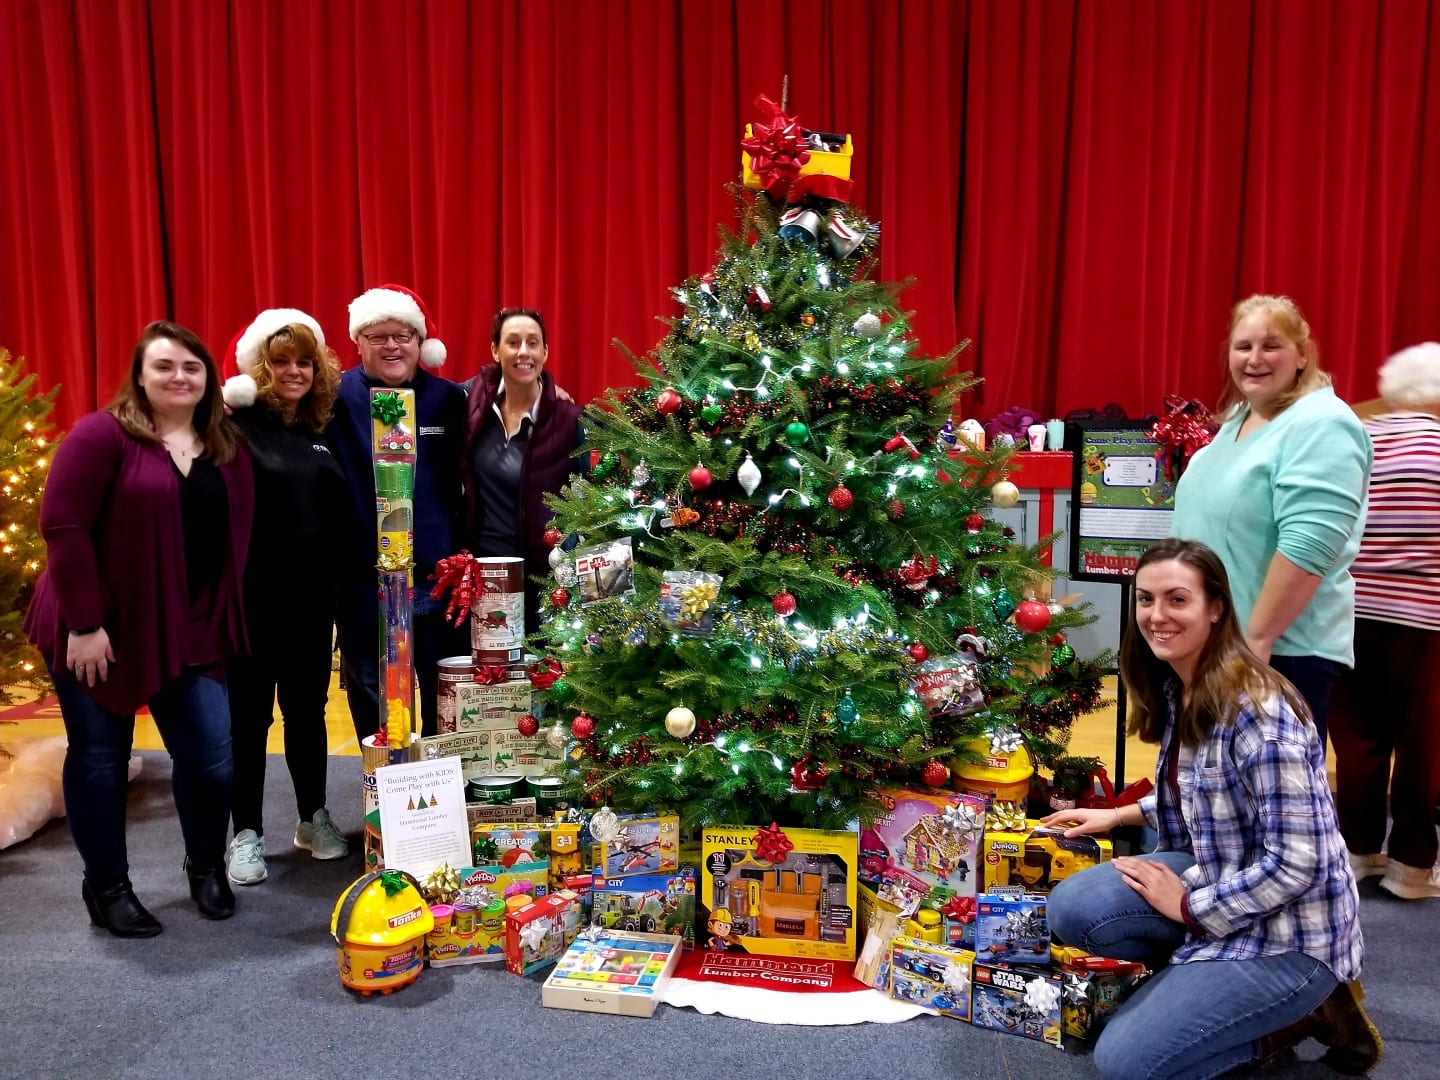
(778, 892)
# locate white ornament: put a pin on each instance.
(556, 736)
(557, 557)
(680, 722)
(1005, 494)
(749, 475)
(1042, 996)
(565, 575)
(640, 474)
(973, 432)
(868, 325)
(604, 825)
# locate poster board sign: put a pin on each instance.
(1120, 501)
(422, 815)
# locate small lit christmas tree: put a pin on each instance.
(26, 445)
(784, 586)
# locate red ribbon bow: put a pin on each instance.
(771, 844)
(543, 673)
(777, 150)
(1186, 428)
(959, 909)
(455, 574)
(490, 674)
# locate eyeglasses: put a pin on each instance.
(404, 337)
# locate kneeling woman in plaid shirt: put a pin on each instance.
(1249, 902)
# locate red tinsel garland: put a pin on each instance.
(1186, 428)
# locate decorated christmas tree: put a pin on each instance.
(26, 444)
(779, 585)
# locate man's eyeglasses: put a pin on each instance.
(404, 337)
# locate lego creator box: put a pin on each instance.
(1011, 927)
(787, 892)
(1094, 987)
(646, 904)
(612, 972)
(641, 845)
(1017, 999)
(538, 934)
(508, 843)
(1040, 857)
(935, 977)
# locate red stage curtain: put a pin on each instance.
(1082, 189)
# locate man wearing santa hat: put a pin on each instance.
(398, 341)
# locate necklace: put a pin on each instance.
(181, 451)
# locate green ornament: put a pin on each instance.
(711, 414)
(797, 434)
(1062, 655)
(847, 712)
(561, 691)
(1004, 605)
(606, 465)
(387, 407)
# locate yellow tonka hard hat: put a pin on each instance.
(379, 926)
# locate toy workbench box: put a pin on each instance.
(1011, 927)
(646, 904)
(1040, 857)
(778, 892)
(935, 977)
(612, 972)
(1017, 999)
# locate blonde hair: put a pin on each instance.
(298, 340)
(1284, 317)
(1411, 378)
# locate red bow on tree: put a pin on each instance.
(455, 574)
(777, 150)
(543, 673)
(1186, 428)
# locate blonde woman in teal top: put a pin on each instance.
(1280, 497)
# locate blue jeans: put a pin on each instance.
(194, 721)
(1315, 678)
(1197, 1019)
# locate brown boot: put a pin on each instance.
(1354, 1041)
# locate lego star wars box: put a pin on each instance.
(1018, 1000)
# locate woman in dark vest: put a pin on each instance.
(520, 445)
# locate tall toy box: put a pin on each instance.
(787, 892)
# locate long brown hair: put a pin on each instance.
(298, 340)
(1284, 317)
(132, 408)
(1225, 669)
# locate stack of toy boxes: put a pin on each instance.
(801, 905)
(1010, 927)
(646, 904)
(1094, 986)
(936, 977)
(916, 839)
(538, 934)
(1039, 857)
(1018, 999)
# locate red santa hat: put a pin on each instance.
(239, 390)
(387, 302)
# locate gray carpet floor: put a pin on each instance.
(258, 996)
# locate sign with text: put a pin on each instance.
(1120, 502)
(422, 815)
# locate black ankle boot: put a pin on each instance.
(210, 891)
(117, 910)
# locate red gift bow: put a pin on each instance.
(544, 673)
(920, 569)
(1186, 428)
(959, 909)
(777, 150)
(771, 844)
(490, 674)
(455, 574)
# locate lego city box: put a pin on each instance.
(778, 892)
(646, 904)
(1017, 999)
(935, 977)
(642, 844)
(1011, 927)
(611, 971)
(1040, 857)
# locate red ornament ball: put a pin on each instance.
(841, 498)
(974, 523)
(700, 478)
(560, 598)
(1032, 616)
(1056, 638)
(553, 536)
(935, 774)
(667, 403)
(582, 727)
(918, 652)
(527, 725)
(784, 604)
(897, 509)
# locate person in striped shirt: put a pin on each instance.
(1390, 704)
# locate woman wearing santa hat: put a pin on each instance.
(282, 401)
(146, 519)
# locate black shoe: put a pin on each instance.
(1354, 1041)
(210, 891)
(117, 910)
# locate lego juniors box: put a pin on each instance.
(646, 904)
(934, 977)
(1040, 857)
(1017, 999)
(780, 892)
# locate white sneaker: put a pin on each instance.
(320, 837)
(1411, 882)
(245, 864)
(1363, 866)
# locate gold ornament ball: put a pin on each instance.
(1005, 494)
(680, 722)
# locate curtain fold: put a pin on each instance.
(1081, 189)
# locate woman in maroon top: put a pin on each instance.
(146, 518)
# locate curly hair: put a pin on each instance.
(1411, 378)
(297, 341)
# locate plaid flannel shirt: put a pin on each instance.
(1271, 871)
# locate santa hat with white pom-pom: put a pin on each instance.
(239, 390)
(396, 302)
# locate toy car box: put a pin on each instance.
(1010, 927)
(799, 902)
(1040, 857)
(646, 904)
(612, 972)
(935, 977)
(1017, 999)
